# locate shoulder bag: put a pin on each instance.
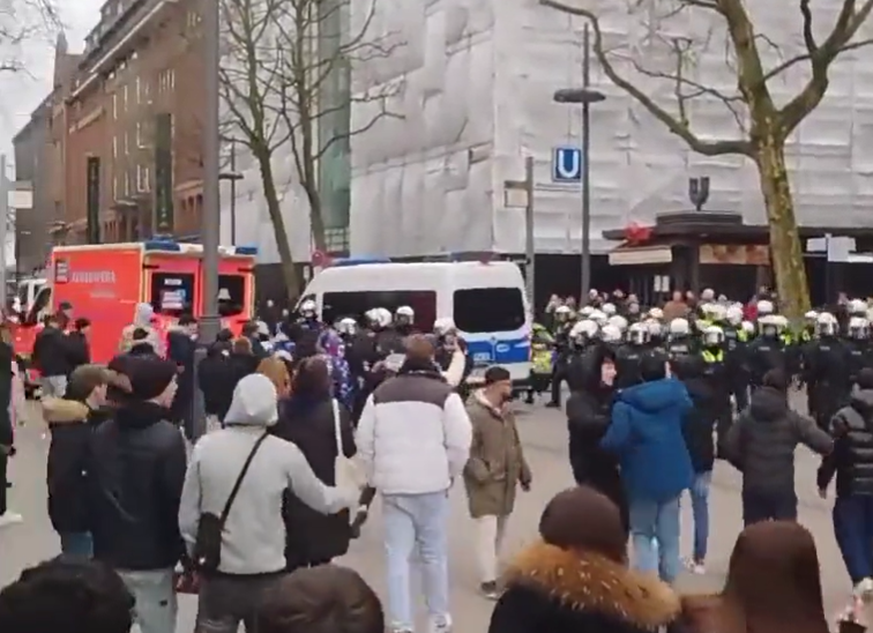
(347, 473)
(207, 548)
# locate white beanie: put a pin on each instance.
(254, 402)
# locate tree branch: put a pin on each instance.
(674, 125)
(848, 22)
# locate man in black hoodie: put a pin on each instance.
(852, 462)
(72, 419)
(697, 430)
(589, 411)
(136, 476)
(761, 445)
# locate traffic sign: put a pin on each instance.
(567, 164)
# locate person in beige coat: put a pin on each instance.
(495, 469)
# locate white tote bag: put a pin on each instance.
(347, 472)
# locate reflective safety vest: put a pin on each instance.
(712, 357)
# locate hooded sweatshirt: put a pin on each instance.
(761, 444)
(253, 540)
(646, 434)
(142, 319)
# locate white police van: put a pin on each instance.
(486, 301)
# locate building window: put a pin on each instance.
(115, 189)
(126, 144)
(124, 99)
(114, 106)
(140, 143)
(143, 179)
(127, 185)
(114, 147)
(138, 91)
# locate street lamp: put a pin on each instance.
(233, 176)
(584, 96)
(520, 194)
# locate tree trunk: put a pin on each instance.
(786, 253)
(289, 271)
(316, 219)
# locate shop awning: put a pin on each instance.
(627, 255)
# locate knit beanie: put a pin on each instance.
(582, 518)
(149, 376)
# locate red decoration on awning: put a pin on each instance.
(636, 234)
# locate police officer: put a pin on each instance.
(735, 341)
(561, 335)
(826, 370)
(680, 342)
(628, 356)
(766, 352)
(714, 357)
(858, 336)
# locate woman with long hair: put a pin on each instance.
(310, 418)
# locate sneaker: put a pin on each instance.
(864, 590)
(695, 566)
(10, 518)
(490, 590)
(442, 625)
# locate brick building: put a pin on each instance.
(126, 125)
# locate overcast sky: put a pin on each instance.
(22, 92)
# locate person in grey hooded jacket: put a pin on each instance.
(142, 320)
(253, 539)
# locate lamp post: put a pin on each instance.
(585, 96)
(526, 189)
(233, 176)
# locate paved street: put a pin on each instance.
(544, 437)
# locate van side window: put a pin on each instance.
(479, 310)
(337, 305)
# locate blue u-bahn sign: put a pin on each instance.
(567, 164)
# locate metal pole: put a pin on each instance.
(210, 225)
(4, 226)
(530, 246)
(586, 172)
(210, 222)
(233, 192)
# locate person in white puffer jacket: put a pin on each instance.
(413, 440)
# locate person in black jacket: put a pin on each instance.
(307, 420)
(761, 445)
(699, 424)
(852, 463)
(51, 357)
(215, 380)
(7, 433)
(78, 349)
(181, 345)
(72, 420)
(136, 472)
(589, 410)
(576, 579)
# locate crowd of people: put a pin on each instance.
(307, 426)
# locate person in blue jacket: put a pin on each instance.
(646, 435)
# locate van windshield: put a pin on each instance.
(480, 310)
(336, 305)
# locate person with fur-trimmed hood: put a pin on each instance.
(576, 579)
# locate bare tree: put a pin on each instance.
(282, 61)
(764, 126)
(22, 21)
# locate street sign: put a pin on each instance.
(567, 164)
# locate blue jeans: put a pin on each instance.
(655, 536)
(417, 522)
(78, 544)
(853, 529)
(700, 511)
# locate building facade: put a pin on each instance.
(32, 148)
(125, 133)
(477, 98)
